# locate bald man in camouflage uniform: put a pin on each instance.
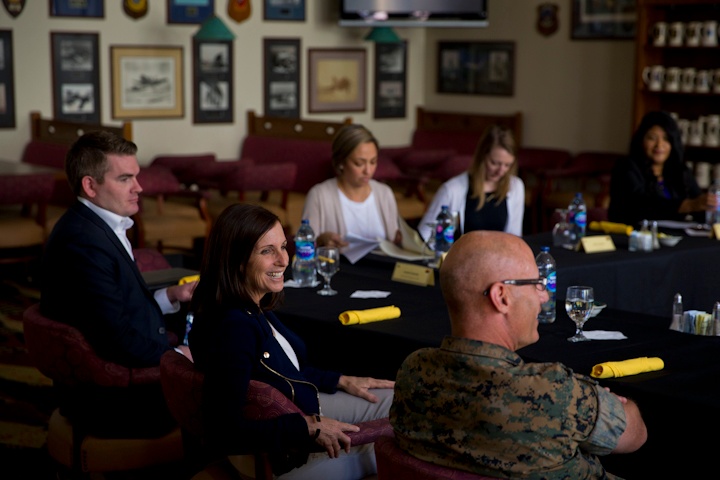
(473, 404)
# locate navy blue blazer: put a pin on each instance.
(88, 280)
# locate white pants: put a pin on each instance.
(360, 462)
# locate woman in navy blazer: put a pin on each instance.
(236, 338)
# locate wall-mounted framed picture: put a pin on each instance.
(284, 10)
(614, 20)
(212, 81)
(282, 77)
(147, 82)
(390, 80)
(337, 80)
(189, 11)
(7, 80)
(76, 76)
(75, 8)
(476, 68)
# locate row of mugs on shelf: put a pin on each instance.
(705, 173)
(690, 34)
(703, 131)
(676, 79)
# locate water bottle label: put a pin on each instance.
(581, 219)
(449, 234)
(552, 282)
(305, 251)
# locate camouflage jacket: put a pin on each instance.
(479, 407)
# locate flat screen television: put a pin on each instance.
(413, 13)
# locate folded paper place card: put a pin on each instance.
(414, 274)
(627, 367)
(353, 317)
(597, 243)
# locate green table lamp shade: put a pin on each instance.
(383, 35)
(214, 29)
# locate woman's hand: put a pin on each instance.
(330, 239)
(398, 239)
(697, 204)
(359, 386)
(330, 434)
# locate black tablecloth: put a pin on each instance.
(643, 282)
(680, 404)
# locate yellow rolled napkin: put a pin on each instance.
(352, 317)
(627, 367)
(188, 279)
(611, 227)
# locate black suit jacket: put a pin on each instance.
(89, 281)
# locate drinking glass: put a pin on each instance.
(328, 263)
(578, 305)
(429, 244)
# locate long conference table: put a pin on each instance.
(680, 404)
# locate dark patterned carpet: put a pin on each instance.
(26, 397)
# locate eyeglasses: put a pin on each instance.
(540, 283)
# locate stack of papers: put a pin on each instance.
(412, 249)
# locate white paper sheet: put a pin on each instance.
(413, 248)
(604, 335)
(369, 294)
(358, 247)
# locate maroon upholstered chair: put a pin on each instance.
(62, 353)
(189, 169)
(182, 386)
(394, 463)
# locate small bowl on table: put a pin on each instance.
(597, 308)
(669, 240)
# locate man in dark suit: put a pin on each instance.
(90, 280)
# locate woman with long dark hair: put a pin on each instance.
(653, 182)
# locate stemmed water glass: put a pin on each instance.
(578, 305)
(328, 263)
(430, 245)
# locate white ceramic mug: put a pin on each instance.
(654, 77)
(676, 34)
(672, 79)
(696, 133)
(702, 174)
(709, 33)
(703, 80)
(688, 80)
(659, 34)
(693, 34)
(712, 131)
(684, 126)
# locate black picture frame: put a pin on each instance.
(76, 76)
(189, 11)
(70, 8)
(476, 68)
(390, 80)
(282, 58)
(290, 10)
(7, 80)
(213, 81)
(603, 20)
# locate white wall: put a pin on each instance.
(573, 94)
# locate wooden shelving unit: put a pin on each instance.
(686, 105)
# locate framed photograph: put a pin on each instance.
(77, 8)
(7, 81)
(607, 19)
(281, 77)
(337, 80)
(390, 80)
(212, 81)
(76, 76)
(284, 10)
(476, 68)
(147, 82)
(189, 11)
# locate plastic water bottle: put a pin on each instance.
(188, 326)
(712, 216)
(577, 214)
(444, 231)
(548, 269)
(304, 272)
